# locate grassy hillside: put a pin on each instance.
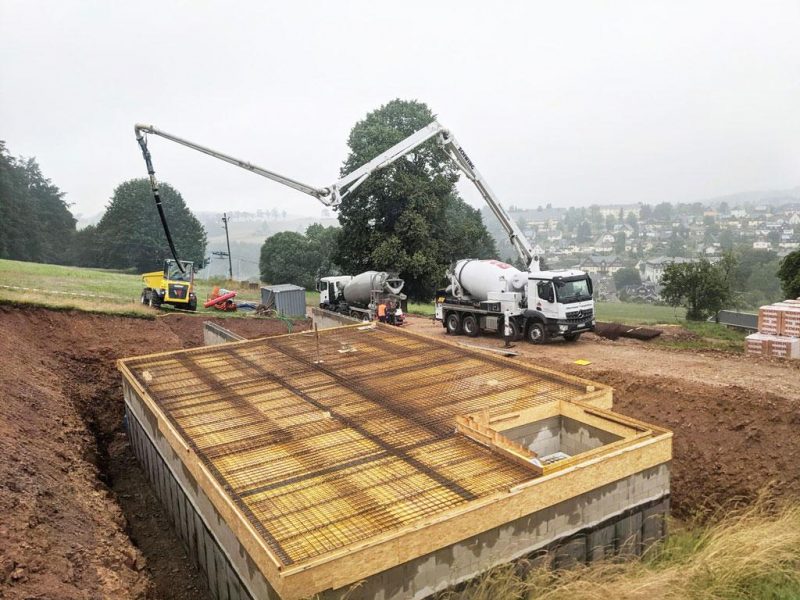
(86, 289)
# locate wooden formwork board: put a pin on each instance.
(321, 444)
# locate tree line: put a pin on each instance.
(36, 223)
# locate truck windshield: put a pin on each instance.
(574, 290)
(174, 272)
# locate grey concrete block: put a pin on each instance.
(628, 534)
(653, 524)
(570, 553)
(600, 543)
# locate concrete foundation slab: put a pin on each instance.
(311, 463)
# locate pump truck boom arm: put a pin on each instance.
(332, 195)
(321, 194)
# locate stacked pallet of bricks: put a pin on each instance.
(778, 331)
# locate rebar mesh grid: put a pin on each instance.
(324, 440)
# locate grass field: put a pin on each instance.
(95, 290)
(635, 314)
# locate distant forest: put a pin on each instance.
(36, 224)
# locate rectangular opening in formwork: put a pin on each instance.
(324, 459)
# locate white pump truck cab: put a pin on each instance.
(484, 295)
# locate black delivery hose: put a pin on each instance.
(154, 186)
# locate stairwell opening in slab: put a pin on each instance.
(559, 437)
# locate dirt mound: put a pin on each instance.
(77, 518)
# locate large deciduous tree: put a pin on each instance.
(789, 274)
(407, 218)
(290, 257)
(130, 235)
(699, 286)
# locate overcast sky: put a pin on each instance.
(569, 103)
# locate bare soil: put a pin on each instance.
(735, 417)
(77, 518)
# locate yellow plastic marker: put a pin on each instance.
(582, 362)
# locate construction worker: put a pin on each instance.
(398, 315)
(390, 312)
(382, 312)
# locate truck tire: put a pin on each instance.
(155, 301)
(453, 322)
(469, 324)
(572, 337)
(193, 304)
(536, 333)
(145, 299)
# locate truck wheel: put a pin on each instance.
(193, 304)
(470, 325)
(572, 337)
(536, 333)
(145, 299)
(454, 323)
(154, 300)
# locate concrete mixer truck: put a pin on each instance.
(539, 305)
(360, 296)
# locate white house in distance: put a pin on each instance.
(605, 265)
(654, 267)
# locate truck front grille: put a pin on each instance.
(580, 315)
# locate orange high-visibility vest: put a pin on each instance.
(381, 310)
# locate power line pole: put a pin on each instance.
(228, 241)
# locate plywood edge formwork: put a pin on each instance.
(349, 564)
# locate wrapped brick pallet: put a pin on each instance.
(778, 331)
(773, 345)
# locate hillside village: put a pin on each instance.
(599, 240)
(605, 240)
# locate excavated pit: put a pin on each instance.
(78, 519)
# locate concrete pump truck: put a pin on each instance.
(482, 295)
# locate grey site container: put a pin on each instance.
(288, 299)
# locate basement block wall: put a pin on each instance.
(200, 420)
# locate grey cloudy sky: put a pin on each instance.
(569, 103)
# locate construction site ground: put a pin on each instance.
(77, 519)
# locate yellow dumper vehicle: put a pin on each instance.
(170, 286)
